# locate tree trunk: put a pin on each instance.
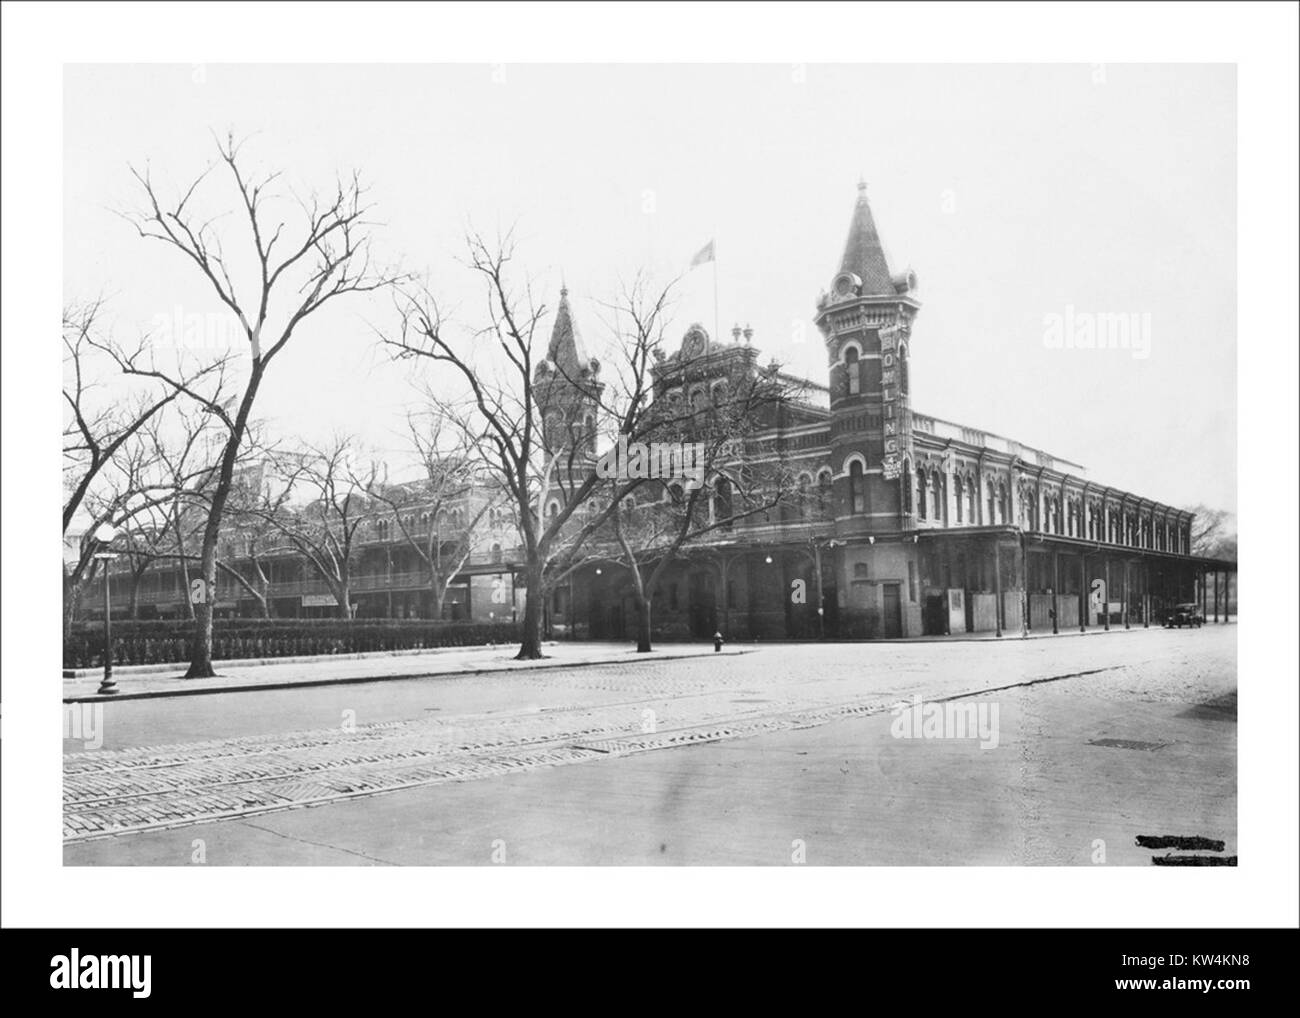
(137, 577)
(530, 647)
(643, 625)
(71, 602)
(201, 659)
(201, 656)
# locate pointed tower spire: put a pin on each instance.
(863, 255)
(566, 350)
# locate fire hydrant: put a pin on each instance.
(717, 642)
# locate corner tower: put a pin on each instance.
(866, 323)
(567, 387)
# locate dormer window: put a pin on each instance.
(846, 285)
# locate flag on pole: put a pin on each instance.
(704, 254)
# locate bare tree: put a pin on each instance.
(322, 501)
(248, 543)
(438, 515)
(649, 536)
(504, 417)
(189, 453)
(543, 455)
(1213, 533)
(328, 257)
(132, 489)
(95, 429)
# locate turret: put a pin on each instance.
(567, 386)
(865, 320)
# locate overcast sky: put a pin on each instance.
(1014, 192)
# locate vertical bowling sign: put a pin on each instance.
(893, 405)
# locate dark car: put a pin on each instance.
(1184, 615)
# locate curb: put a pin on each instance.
(357, 680)
(255, 662)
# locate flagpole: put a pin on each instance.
(717, 336)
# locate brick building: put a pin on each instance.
(907, 524)
(904, 524)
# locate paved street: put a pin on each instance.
(739, 759)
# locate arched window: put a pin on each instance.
(959, 489)
(906, 487)
(936, 495)
(857, 488)
(992, 517)
(824, 483)
(552, 511)
(972, 500)
(852, 370)
(922, 503)
(496, 552)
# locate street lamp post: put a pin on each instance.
(105, 534)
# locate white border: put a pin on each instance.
(37, 890)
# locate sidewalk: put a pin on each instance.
(1039, 634)
(149, 681)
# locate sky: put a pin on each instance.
(1021, 195)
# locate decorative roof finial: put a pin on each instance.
(862, 184)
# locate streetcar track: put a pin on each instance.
(409, 759)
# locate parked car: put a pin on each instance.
(1184, 615)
